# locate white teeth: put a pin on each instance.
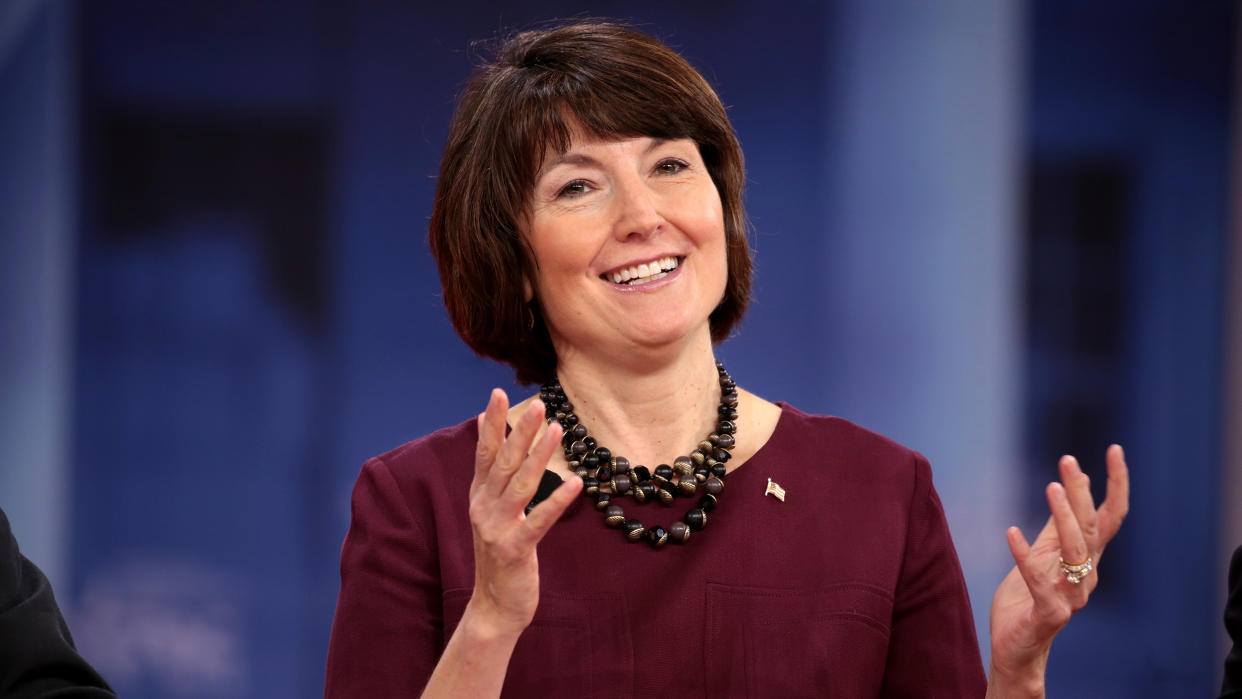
(643, 273)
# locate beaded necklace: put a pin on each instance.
(607, 477)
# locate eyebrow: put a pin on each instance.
(584, 159)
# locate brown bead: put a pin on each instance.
(725, 441)
(687, 485)
(697, 457)
(663, 471)
(614, 516)
(620, 484)
(602, 500)
(706, 447)
(683, 466)
(590, 485)
(714, 485)
(579, 447)
(679, 532)
(620, 464)
(657, 537)
(665, 495)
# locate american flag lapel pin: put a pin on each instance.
(775, 490)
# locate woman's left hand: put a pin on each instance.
(1037, 598)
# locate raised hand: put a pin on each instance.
(506, 474)
(1037, 598)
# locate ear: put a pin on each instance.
(528, 292)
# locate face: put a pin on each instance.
(629, 244)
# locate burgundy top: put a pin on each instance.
(849, 588)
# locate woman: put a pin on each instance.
(589, 231)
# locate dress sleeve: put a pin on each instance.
(388, 631)
(37, 656)
(1231, 686)
(933, 650)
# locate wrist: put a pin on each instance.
(481, 624)
(1026, 682)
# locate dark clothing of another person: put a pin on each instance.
(848, 588)
(1232, 686)
(37, 657)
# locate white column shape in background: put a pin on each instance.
(37, 242)
(923, 270)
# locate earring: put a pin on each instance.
(530, 318)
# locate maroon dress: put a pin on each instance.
(849, 588)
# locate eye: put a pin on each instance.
(670, 166)
(574, 189)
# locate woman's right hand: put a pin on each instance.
(507, 471)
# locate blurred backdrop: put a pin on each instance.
(997, 231)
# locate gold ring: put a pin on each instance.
(1075, 572)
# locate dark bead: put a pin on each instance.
(602, 501)
(714, 485)
(603, 453)
(582, 471)
(633, 529)
(579, 448)
(590, 461)
(620, 484)
(620, 464)
(645, 491)
(718, 470)
(614, 516)
(591, 443)
(575, 464)
(664, 471)
(697, 457)
(733, 416)
(566, 405)
(657, 537)
(679, 532)
(590, 485)
(708, 502)
(604, 473)
(567, 438)
(725, 441)
(721, 455)
(571, 419)
(683, 465)
(696, 519)
(665, 495)
(560, 417)
(687, 485)
(642, 474)
(701, 473)
(726, 427)
(705, 446)
(578, 431)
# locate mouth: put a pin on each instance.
(645, 273)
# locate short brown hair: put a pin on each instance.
(608, 80)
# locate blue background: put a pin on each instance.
(997, 231)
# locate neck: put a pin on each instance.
(651, 414)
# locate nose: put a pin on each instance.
(638, 214)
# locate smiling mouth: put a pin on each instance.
(645, 273)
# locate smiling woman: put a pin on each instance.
(589, 231)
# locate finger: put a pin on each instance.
(515, 447)
(1078, 491)
(525, 482)
(491, 423)
(545, 514)
(1039, 577)
(1116, 503)
(1074, 549)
